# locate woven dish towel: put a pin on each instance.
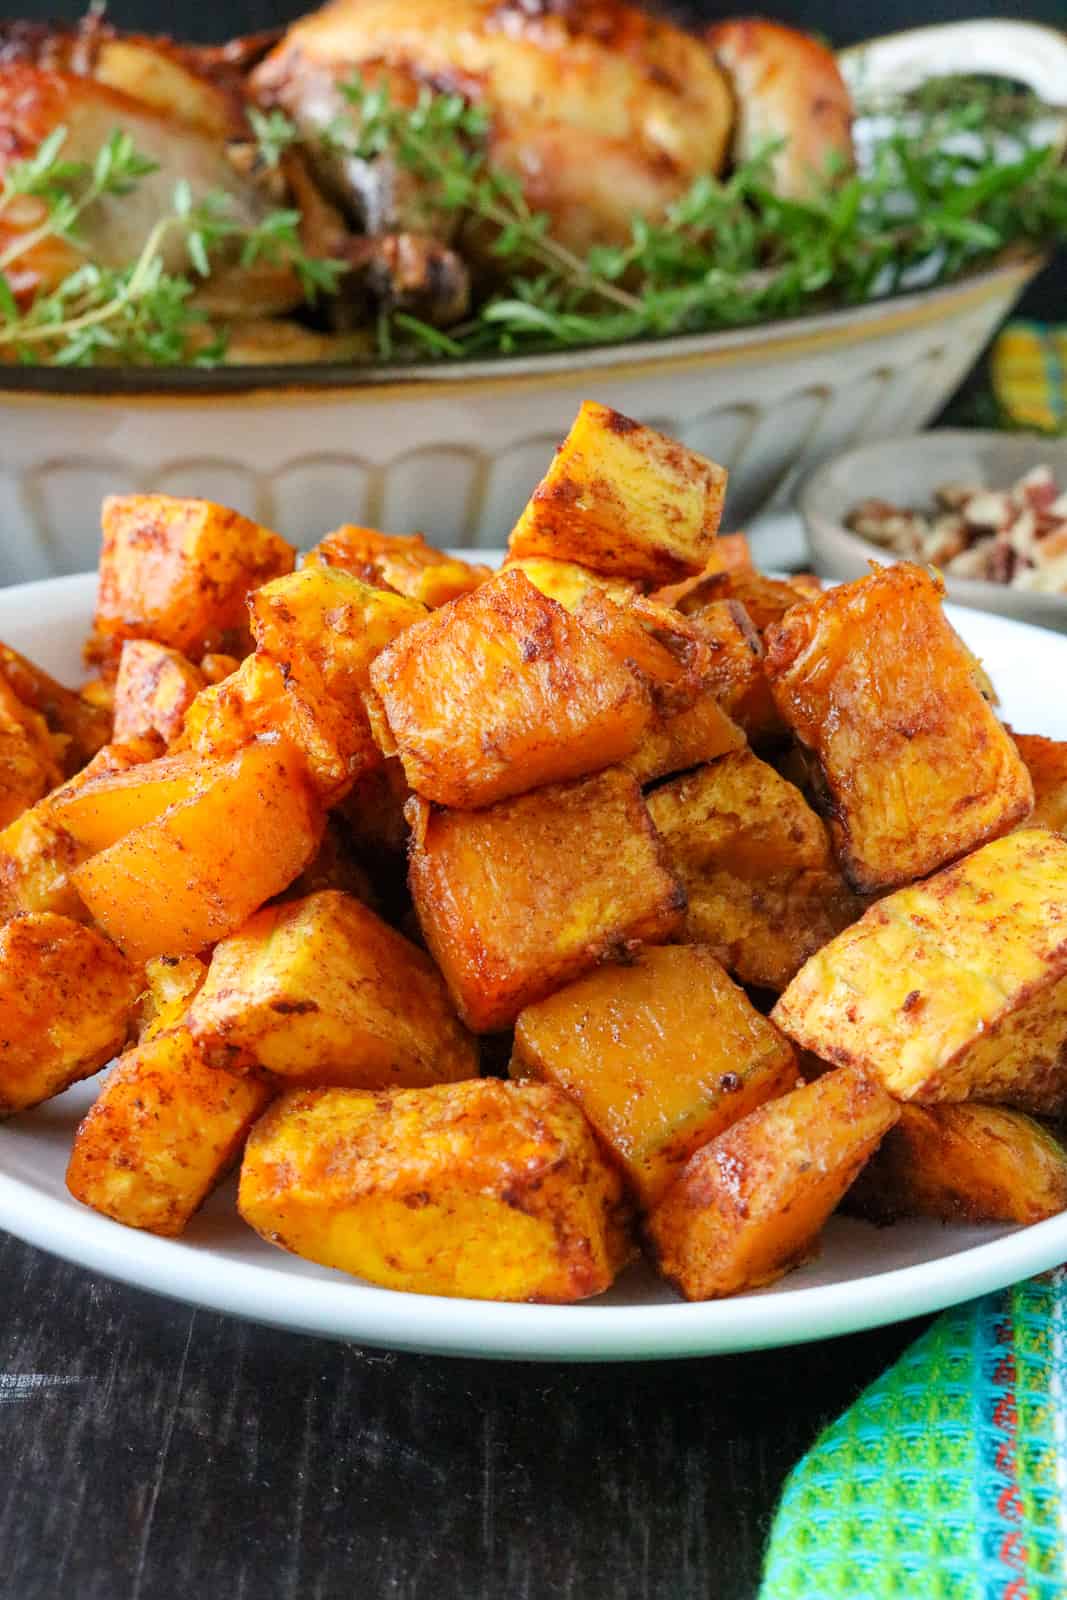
(947, 1479)
(1028, 370)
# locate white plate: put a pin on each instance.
(864, 1277)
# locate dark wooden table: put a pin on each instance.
(148, 1451)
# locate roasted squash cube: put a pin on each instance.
(953, 989)
(66, 995)
(763, 888)
(764, 600)
(964, 1163)
(323, 628)
(737, 671)
(154, 689)
(83, 728)
(496, 1191)
(568, 583)
(320, 991)
(751, 1204)
(501, 692)
(623, 499)
(29, 761)
(37, 855)
(916, 768)
(674, 664)
(170, 985)
(1046, 762)
(178, 571)
(163, 1132)
(407, 565)
(251, 702)
(519, 899)
(661, 1055)
(200, 869)
(103, 810)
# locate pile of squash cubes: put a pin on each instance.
(502, 924)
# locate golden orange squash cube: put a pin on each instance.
(1046, 762)
(323, 628)
(661, 1054)
(623, 499)
(568, 583)
(409, 565)
(496, 1191)
(519, 899)
(154, 689)
(196, 872)
(170, 984)
(917, 771)
(321, 991)
(751, 1204)
(952, 989)
(83, 728)
(66, 995)
(737, 671)
(964, 1163)
(38, 855)
(673, 662)
(163, 1132)
(503, 691)
(763, 888)
(101, 811)
(179, 571)
(29, 760)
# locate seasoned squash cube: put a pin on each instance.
(321, 991)
(407, 565)
(1046, 762)
(661, 1055)
(154, 689)
(967, 1163)
(916, 768)
(729, 553)
(737, 671)
(323, 628)
(623, 499)
(501, 692)
(765, 600)
(217, 665)
(751, 1204)
(763, 888)
(251, 702)
(953, 989)
(83, 728)
(519, 899)
(37, 855)
(66, 995)
(170, 984)
(163, 1132)
(200, 869)
(496, 1191)
(178, 571)
(29, 764)
(568, 583)
(674, 664)
(98, 813)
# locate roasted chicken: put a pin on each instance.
(602, 112)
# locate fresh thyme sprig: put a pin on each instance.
(140, 313)
(950, 177)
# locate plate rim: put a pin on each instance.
(338, 1307)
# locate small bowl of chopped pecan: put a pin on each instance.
(988, 510)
